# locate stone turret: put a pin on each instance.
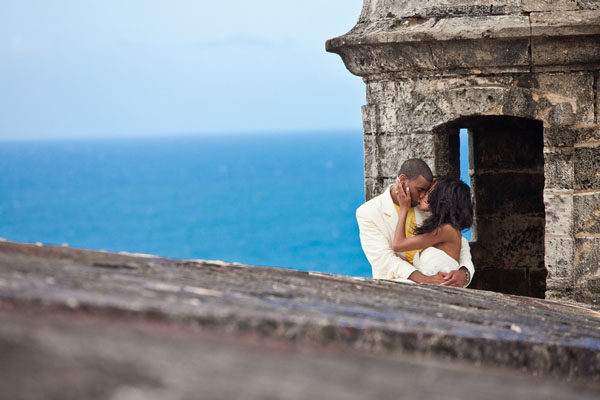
(522, 77)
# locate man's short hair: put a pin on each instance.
(414, 168)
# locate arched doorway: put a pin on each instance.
(507, 180)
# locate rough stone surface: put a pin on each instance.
(559, 213)
(550, 5)
(561, 136)
(587, 269)
(74, 356)
(565, 23)
(512, 242)
(85, 324)
(523, 77)
(559, 261)
(589, 136)
(587, 168)
(574, 90)
(597, 96)
(386, 150)
(375, 186)
(559, 169)
(587, 213)
(587, 251)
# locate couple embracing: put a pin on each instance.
(412, 231)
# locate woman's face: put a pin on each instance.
(424, 203)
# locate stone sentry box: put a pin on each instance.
(523, 77)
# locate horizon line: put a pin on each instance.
(166, 135)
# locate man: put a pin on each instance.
(377, 220)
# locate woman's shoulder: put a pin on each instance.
(447, 229)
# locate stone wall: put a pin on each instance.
(431, 66)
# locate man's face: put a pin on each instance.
(417, 188)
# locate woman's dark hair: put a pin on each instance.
(450, 203)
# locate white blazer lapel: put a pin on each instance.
(389, 212)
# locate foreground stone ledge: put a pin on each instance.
(536, 336)
(76, 355)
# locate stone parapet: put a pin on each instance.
(109, 323)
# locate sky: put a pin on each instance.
(82, 68)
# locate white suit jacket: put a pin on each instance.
(377, 220)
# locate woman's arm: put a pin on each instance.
(402, 243)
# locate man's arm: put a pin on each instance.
(378, 249)
(465, 259)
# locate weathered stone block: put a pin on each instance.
(509, 193)
(562, 51)
(561, 114)
(383, 53)
(381, 92)
(559, 255)
(586, 208)
(559, 213)
(376, 186)
(490, 27)
(480, 100)
(593, 284)
(549, 5)
(565, 23)
(559, 288)
(597, 94)
(587, 259)
(587, 168)
(520, 102)
(561, 136)
(393, 9)
(586, 296)
(558, 169)
(372, 188)
(387, 120)
(512, 241)
(371, 156)
(369, 117)
(419, 110)
(588, 4)
(588, 136)
(392, 151)
(425, 105)
(571, 93)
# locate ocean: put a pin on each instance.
(284, 200)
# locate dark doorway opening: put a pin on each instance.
(507, 181)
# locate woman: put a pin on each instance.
(440, 235)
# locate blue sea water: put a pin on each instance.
(276, 200)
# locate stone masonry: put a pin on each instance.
(522, 77)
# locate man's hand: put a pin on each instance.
(457, 278)
(437, 279)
